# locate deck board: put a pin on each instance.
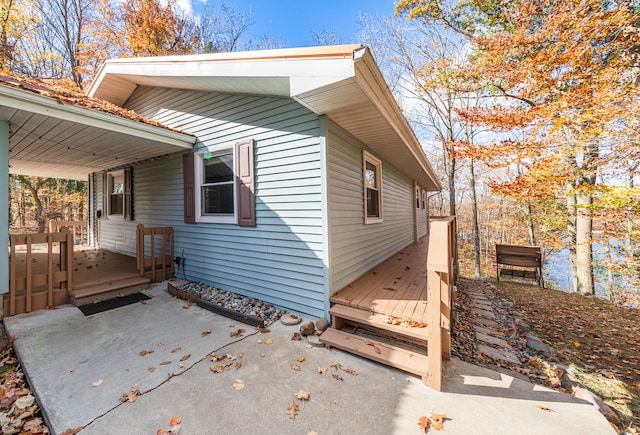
(405, 272)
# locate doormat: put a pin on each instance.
(110, 304)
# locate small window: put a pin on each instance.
(216, 183)
(116, 193)
(424, 199)
(417, 197)
(372, 175)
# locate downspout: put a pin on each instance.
(4, 212)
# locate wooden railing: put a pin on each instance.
(30, 290)
(441, 277)
(154, 259)
(79, 229)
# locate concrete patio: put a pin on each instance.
(64, 353)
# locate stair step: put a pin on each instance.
(377, 321)
(91, 292)
(390, 355)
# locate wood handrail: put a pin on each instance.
(441, 278)
(155, 266)
(75, 227)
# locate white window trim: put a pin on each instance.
(222, 219)
(110, 177)
(367, 157)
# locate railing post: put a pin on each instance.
(140, 248)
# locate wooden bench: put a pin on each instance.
(520, 256)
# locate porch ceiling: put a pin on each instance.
(51, 138)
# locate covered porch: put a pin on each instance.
(63, 134)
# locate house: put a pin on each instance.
(285, 174)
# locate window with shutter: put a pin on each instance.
(117, 194)
(219, 185)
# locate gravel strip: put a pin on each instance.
(232, 301)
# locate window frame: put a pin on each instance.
(111, 175)
(198, 184)
(368, 158)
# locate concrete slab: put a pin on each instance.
(63, 352)
(378, 400)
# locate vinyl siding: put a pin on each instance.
(356, 247)
(280, 260)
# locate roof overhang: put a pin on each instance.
(342, 82)
(52, 138)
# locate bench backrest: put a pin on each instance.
(522, 256)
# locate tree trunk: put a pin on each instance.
(451, 176)
(36, 200)
(474, 217)
(571, 233)
(584, 262)
(530, 226)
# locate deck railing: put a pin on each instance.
(441, 277)
(29, 290)
(155, 257)
(79, 229)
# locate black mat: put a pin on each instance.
(110, 304)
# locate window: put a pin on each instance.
(424, 199)
(417, 197)
(219, 186)
(116, 194)
(372, 175)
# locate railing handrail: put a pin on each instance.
(441, 277)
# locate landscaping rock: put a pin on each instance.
(322, 324)
(524, 326)
(568, 379)
(535, 344)
(314, 340)
(289, 319)
(308, 328)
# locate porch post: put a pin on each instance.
(4, 210)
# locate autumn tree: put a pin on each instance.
(560, 73)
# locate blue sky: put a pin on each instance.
(292, 21)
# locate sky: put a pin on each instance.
(292, 21)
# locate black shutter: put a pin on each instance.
(189, 188)
(128, 197)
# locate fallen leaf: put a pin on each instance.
(238, 365)
(143, 302)
(177, 349)
(241, 354)
(72, 431)
(303, 395)
(296, 367)
(238, 385)
(205, 333)
(322, 370)
(269, 341)
(186, 307)
(308, 346)
(350, 371)
(438, 421)
(337, 378)
(186, 357)
(97, 383)
(544, 408)
(174, 421)
(300, 359)
(264, 330)
(577, 344)
(146, 352)
(237, 333)
(132, 395)
(424, 423)
(296, 336)
(173, 298)
(162, 432)
(336, 366)
(293, 410)
(313, 433)
(165, 363)
(152, 369)
(376, 349)
(220, 367)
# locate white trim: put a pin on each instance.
(197, 161)
(4, 211)
(369, 158)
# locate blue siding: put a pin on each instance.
(280, 260)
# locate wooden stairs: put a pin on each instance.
(90, 292)
(399, 312)
(373, 336)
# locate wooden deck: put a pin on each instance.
(396, 288)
